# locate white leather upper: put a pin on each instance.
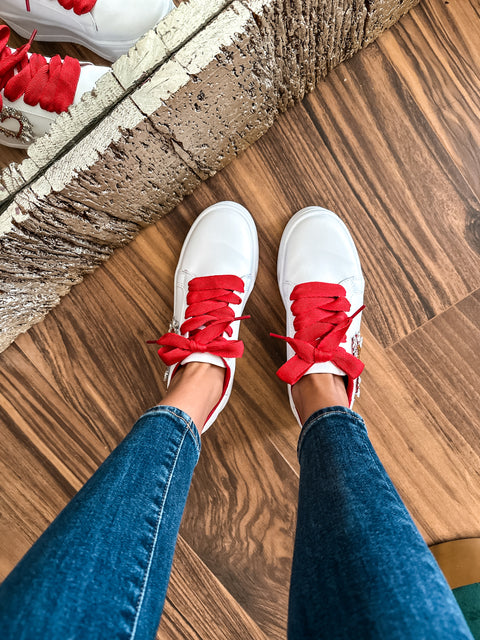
(316, 246)
(222, 241)
(110, 29)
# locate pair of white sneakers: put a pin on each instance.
(34, 90)
(320, 280)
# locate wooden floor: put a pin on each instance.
(391, 143)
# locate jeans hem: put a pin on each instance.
(326, 413)
(180, 415)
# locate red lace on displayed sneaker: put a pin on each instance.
(79, 6)
(207, 317)
(52, 84)
(321, 324)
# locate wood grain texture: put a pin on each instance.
(199, 607)
(433, 461)
(100, 381)
(72, 386)
(448, 93)
(437, 32)
(449, 343)
(243, 528)
(411, 193)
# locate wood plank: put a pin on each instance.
(410, 201)
(64, 404)
(199, 607)
(108, 376)
(435, 53)
(240, 516)
(431, 457)
(443, 356)
(47, 451)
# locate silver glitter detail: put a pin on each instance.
(357, 343)
(357, 386)
(173, 327)
(25, 132)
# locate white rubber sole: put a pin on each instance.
(5, 142)
(111, 51)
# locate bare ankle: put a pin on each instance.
(195, 389)
(318, 391)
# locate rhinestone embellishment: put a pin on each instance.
(173, 327)
(25, 131)
(357, 343)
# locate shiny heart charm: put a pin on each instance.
(24, 133)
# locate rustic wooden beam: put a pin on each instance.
(195, 92)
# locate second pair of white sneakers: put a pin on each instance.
(320, 280)
(34, 90)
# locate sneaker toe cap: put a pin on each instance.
(224, 242)
(319, 248)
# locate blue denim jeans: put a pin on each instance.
(100, 571)
(360, 568)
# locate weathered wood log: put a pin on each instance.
(195, 92)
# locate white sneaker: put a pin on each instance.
(34, 90)
(320, 280)
(107, 27)
(214, 277)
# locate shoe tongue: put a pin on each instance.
(325, 367)
(204, 357)
(89, 76)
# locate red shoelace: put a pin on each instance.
(52, 84)
(207, 318)
(320, 323)
(79, 6)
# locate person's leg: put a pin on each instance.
(360, 567)
(101, 569)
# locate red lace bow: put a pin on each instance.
(52, 84)
(320, 323)
(207, 318)
(9, 61)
